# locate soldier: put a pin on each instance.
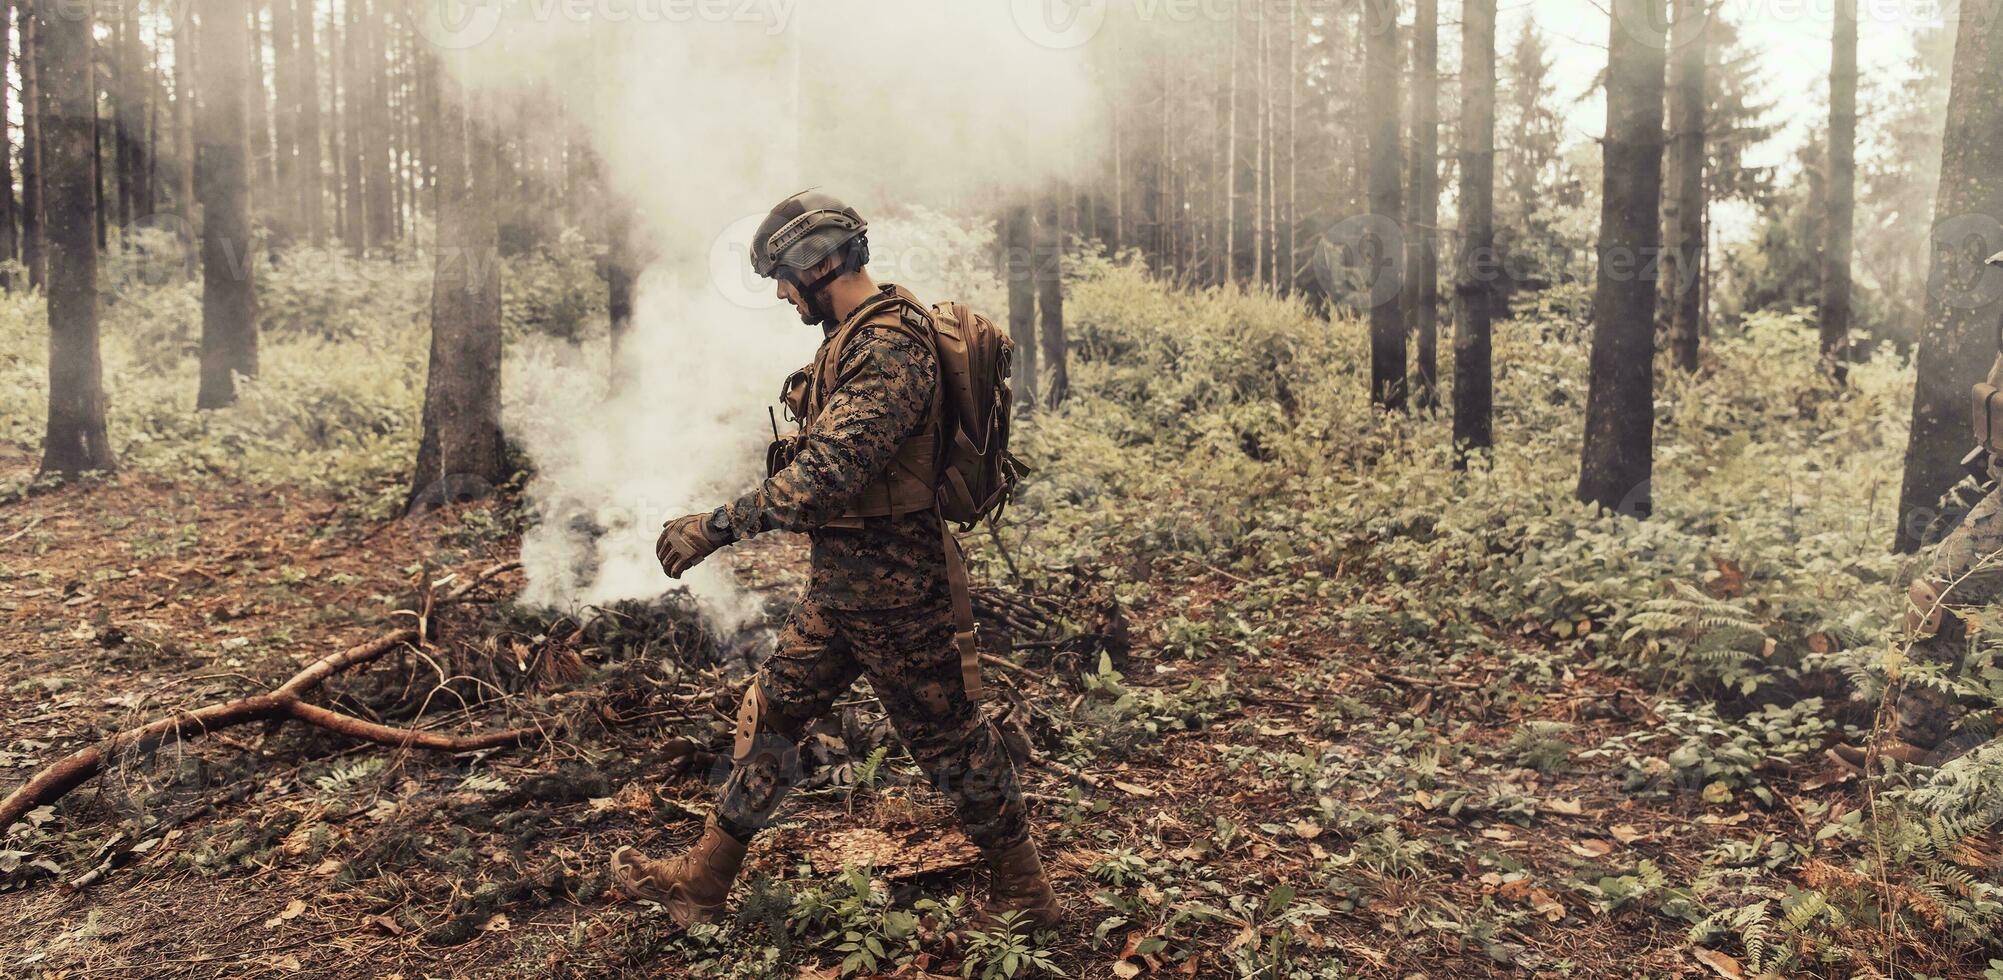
(1966, 571)
(859, 480)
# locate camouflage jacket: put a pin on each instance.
(885, 385)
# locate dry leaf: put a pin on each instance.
(1307, 829)
(1133, 788)
(1721, 964)
(1545, 905)
(1592, 848)
(498, 923)
(1626, 833)
(1497, 833)
(1126, 969)
(1570, 808)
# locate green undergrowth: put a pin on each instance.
(342, 349)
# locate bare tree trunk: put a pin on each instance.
(375, 122)
(184, 117)
(312, 207)
(1957, 341)
(1293, 148)
(229, 297)
(1474, 380)
(1617, 458)
(1229, 247)
(1842, 192)
(261, 154)
(1019, 270)
(1387, 206)
(67, 96)
(1424, 293)
(1683, 223)
(33, 244)
(286, 198)
(1049, 259)
(354, 104)
(10, 236)
(462, 454)
(1259, 154)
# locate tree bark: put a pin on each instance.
(1424, 290)
(1964, 299)
(1387, 208)
(10, 236)
(286, 197)
(1618, 454)
(1842, 192)
(1474, 273)
(1683, 224)
(461, 454)
(354, 103)
(75, 439)
(222, 166)
(311, 208)
(1049, 260)
(33, 242)
(375, 122)
(1019, 271)
(184, 118)
(261, 154)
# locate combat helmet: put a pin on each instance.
(801, 232)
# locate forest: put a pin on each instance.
(1485, 489)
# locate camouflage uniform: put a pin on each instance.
(877, 604)
(1966, 572)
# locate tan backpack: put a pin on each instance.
(965, 470)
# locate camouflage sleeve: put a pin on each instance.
(883, 390)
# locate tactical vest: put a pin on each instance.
(910, 483)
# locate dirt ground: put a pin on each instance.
(292, 852)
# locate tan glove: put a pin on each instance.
(685, 542)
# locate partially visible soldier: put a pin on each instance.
(860, 481)
(1966, 572)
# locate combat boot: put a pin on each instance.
(692, 886)
(1852, 757)
(1019, 886)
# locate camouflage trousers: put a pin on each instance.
(909, 657)
(1966, 572)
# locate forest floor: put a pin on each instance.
(1302, 806)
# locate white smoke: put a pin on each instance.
(924, 115)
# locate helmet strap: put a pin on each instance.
(815, 292)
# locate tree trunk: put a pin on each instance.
(1424, 293)
(1963, 301)
(461, 455)
(1021, 303)
(1387, 208)
(1049, 259)
(286, 198)
(1842, 192)
(1683, 224)
(222, 166)
(10, 236)
(1474, 273)
(311, 209)
(375, 130)
(261, 154)
(184, 118)
(1229, 247)
(76, 439)
(1616, 459)
(33, 243)
(354, 104)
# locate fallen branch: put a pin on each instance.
(279, 704)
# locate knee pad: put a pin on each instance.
(751, 713)
(1926, 609)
